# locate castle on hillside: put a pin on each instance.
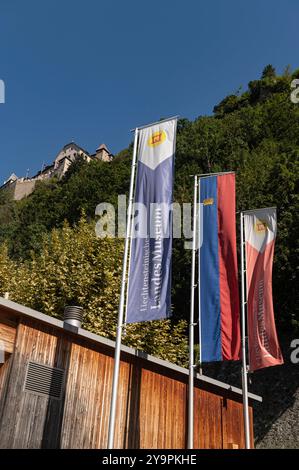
(22, 187)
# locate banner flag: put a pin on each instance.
(260, 233)
(149, 284)
(219, 293)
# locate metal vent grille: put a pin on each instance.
(44, 380)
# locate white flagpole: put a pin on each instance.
(192, 324)
(200, 235)
(244, 365)
(121, 309)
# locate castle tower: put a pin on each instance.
(103, 154)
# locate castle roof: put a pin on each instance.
(102, 147)
(73, 144)
(13, 177)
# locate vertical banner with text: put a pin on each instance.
(149, 283)
(260, 233)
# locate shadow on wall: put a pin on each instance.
(132, 430)
(55, 409)
(279, 387)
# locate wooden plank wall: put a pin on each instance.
(24, 422)
(8, 329)
(145, 404)
(4, 374)
(152, 401)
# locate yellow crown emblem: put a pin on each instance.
(260, 226)
(208, 202)
(157, 138)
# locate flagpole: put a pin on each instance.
(192, 325)
(200, 235)
(120, 320)
(244, 365)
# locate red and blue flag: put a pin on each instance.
(219, 294)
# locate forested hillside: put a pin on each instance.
(49, 253)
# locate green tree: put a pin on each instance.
(255, 133)
(76, 267)
(269, 72)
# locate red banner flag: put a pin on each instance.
(260, 234)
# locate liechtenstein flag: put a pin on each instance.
(219, 294)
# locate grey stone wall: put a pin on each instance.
(22, 189)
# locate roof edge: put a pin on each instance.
(47, 319)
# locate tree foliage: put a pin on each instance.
(74, 267)
(46, 263)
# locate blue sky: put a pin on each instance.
(91, 70)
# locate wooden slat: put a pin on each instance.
(234, 424)
(7, 336)
(4, 374)
(208, 420)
